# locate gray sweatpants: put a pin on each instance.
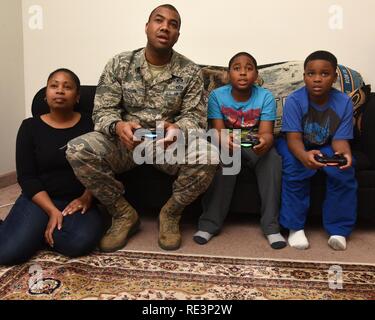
(216, 202)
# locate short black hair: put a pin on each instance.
(243, 54)
(170, 7)
(71, 73)
(322, 55)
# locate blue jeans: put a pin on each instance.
(339, 206)
(22, 232)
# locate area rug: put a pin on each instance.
(149, 276)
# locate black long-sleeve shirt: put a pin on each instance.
(40, 158)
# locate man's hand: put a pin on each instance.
(172, 131)
(125, 131)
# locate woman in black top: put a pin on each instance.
(54, 207)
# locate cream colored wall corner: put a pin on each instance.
(84, 34)
(12, 102)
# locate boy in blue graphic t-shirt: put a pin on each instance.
(317, 119)
(243, 105)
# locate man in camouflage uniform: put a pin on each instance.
(135, 90)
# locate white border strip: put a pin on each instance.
(251, 258)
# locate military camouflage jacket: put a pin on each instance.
(127, 91)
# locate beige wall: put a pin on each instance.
(12, 102)
(84, 34)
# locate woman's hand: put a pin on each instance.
(82, 204)
(55, 220)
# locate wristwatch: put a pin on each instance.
(112, 128)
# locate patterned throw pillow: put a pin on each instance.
(359, 98)
(284, 78)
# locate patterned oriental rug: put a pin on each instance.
(149, 276)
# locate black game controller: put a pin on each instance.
(337, 159)
(248, 140)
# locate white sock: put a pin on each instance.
(276, 240)
(298, 240)
(337, 242)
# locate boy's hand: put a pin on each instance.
(264, 145)
(230, 143)
(349, 160)
(227, 142)
(308, 160)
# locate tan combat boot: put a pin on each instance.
(125, 223)
(169, 225)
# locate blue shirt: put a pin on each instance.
(242, 115)
(319, 124)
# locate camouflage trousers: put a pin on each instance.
(96, 159)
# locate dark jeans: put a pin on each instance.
(22, 232)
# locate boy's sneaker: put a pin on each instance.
(202, 237)
(337, 242)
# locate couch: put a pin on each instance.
(148, 188)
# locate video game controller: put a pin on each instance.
(248, 140)
(337, 159)
(149, 134)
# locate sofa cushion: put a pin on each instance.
(146, 186)
(366, 179)
(367, 137)
(362, 161)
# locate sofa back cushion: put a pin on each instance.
(280, 78)
(86, 102)
(284, 78)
